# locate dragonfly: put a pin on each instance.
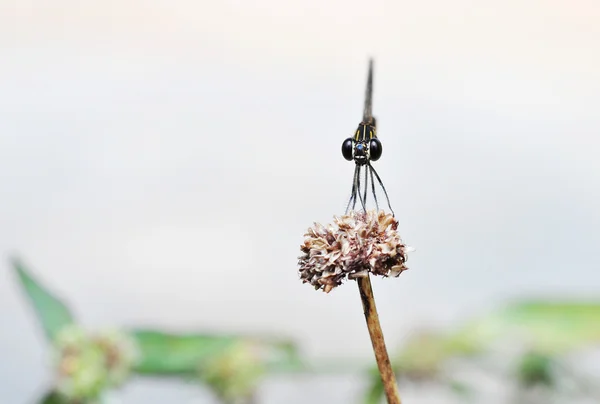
(363, 148)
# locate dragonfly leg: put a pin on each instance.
(366, 184)
(384, 191)
(362, 201)
(353, 192)
(370, 169)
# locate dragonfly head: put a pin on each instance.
(363, 147)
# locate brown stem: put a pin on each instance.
(381, 355)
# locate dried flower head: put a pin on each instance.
(353, 246)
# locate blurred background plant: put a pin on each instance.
(529, 345)
(88, 365)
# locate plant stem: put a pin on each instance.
(381, 356)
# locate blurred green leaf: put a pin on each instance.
(181, 354)
(164, 353)
(548, 326)
(375, 391)
(52, 313)
(535, 369)
(52, 398)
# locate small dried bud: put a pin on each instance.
(353, 246)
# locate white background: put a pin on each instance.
(160, 162)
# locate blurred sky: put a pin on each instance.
(160, 161)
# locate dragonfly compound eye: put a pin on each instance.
(347, 149)
(375, 149)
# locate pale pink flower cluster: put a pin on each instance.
(353, 246)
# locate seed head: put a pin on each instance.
(353, 246)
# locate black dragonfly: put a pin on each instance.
(365, 147)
